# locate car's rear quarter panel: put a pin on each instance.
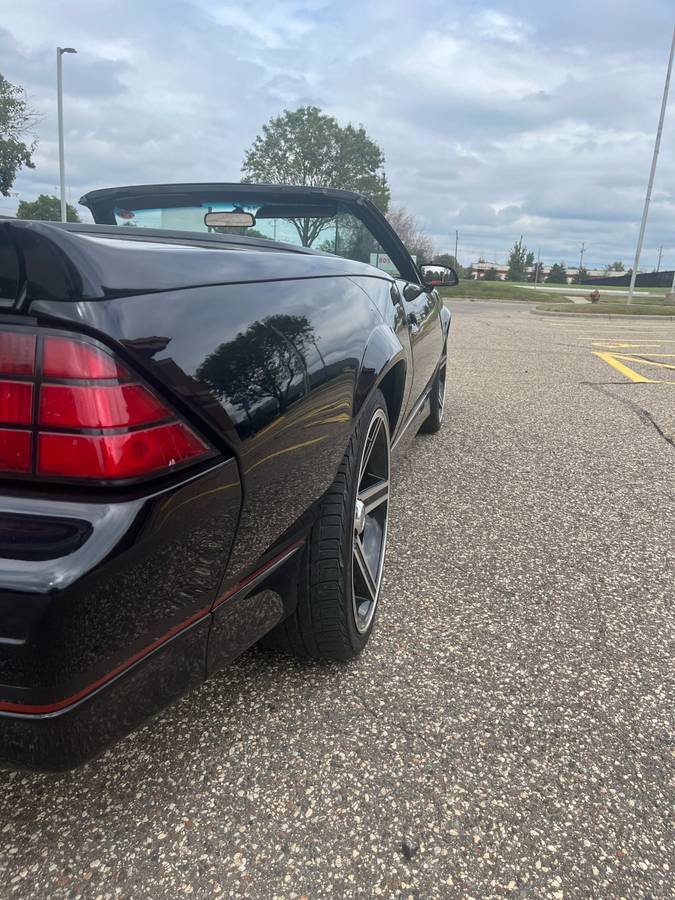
(285, 407)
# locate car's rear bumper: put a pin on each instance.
(104, 623)
(63, 737)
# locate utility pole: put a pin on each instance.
(59, 102)
(657, 144)
(581, 261)
(536, 271)
(658, 264)
(456, 243)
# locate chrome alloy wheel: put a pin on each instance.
(371, 512)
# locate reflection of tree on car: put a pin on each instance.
(263, 363)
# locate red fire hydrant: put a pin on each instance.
(595, 295)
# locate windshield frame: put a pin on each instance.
(103, 203)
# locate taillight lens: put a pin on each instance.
(65, 358)
(93, 406)
(17, 353)
(70, 410)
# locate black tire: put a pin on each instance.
(327, 623)
(434, 420)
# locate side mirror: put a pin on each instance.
(439, 276)
(412, 291)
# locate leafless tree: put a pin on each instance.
(407, 227)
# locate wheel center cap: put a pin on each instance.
(359, 517)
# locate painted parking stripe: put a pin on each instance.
(617, 361)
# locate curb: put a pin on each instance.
(601, 316)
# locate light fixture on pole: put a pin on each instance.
(650, 184)
(59, 99)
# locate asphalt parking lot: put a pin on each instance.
(512, 716)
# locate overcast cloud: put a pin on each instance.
(495, 118)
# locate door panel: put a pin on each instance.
(426, 340)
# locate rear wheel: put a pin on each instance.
(341, 572)
(434, 420)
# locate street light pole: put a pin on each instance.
(581, 261)
(652, 171)
(59, 99)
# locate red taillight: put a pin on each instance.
(118, 455)
(17, 353)
(114, 406)
(15, 446)
(64, 358)
(16, 402)
(79, 414)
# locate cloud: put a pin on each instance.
(495, 119)
(494, 25)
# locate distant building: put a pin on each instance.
(478, 270)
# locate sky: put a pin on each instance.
(497, 119)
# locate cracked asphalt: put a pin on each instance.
(511, 721)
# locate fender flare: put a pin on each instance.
(382, 354)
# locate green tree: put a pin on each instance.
(518, 261)
(491, 275)
(616, 266)
(448, 259)
(557, 274)
(582, 275)
(306, 147)
(16, 119)
(46, 209)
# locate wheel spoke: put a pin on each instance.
(364, 568)
(372, 440)
(370, 521)
(374, 496)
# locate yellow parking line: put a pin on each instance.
(650, 362)
(611, 359)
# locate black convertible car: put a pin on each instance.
(199, 399)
